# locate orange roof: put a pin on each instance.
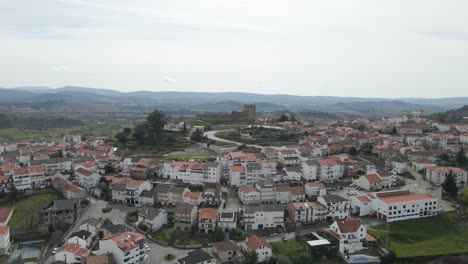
(5, 212)
(4, 229)
(135, 183)
(302, 205)
(72, 188)
(247, 188)
(363, 199)
(208, 213)
(250, 157)
(373, 178)
(327, 162)
(253, 242)
(445, 169)
(84, 172)
(349, 225)
(237, 168)
(193, 195)
(127, 240)
(76, 249)
(405, 198)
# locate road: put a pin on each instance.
(211, 135)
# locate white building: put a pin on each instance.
(152, 217)
(330, 170)
(309, 170)
(464, 138)
(306, 212)
(264, 216)
(395, 205)
(237, 175)
(315, 189)
(249, 195)
(4, 239)
(260, 246)
(437, 175)
(350, 233)
(72, 138)
(191, 172)
(227, 221)
(86, 178)
(337, 206)
(127, 247)
(71, 253)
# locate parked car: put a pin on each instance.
(54, 251)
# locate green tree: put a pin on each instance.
(121, 138)
(461, 158)
(236, 234)
(353, 151)
(197, 136)
(251, 258)
(463, 194)
(156, 121)
(283, 118)
(449, 185)
(109, 169)
(127, 131)
(394, 130)
(139, 132)
(219, 235)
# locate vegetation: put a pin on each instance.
(236, 234)
(452, 116)
(251, 258)
(259, 135)
(293, 250)
(463, 194)
(169, 257)
(182, 157)
(445, 233)
(461, 158)
(449, 185)
(249, 149)
(198, 136)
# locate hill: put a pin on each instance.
(452, 116)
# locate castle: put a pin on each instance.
(247, 114)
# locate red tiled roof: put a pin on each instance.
(4, 229)
(84, 172)
(5, 212)
(208, 213)
(237, 168)
(373, 178)
(253, 242)
(349, 225)
(321, 185)
(76, 249)
(126, 240)
(247, 188)
(363, 199)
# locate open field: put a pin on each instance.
(12, 134)
(293, 250)
(25, 216)
(446, 233)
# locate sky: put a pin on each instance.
(362, 48)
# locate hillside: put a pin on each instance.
(452, 116)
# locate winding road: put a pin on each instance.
(211, 135)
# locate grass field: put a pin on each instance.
(25, 215)
(442, 234)
(184, 157)
(293, 250)
(11, 134)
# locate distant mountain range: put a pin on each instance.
(71, 97)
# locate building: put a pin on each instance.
(81, 237)
(228, 252)
(72, 138)
(396, 164)
(71, 191)
(86, 178)
(4, 239)
(247, 114)
(370, 182)
(207, 220)
(63, 164)
(237, 175)
(263, 216)
(191, 172)
(59, 214)
(71, 253)
(25, 178)
(99, 259)
(5, 215)
(197, 256)
(154, 218)
(169, 195)
(337, 206)
(126, 247)
(267, 192)
(306, 212)
(309, 169)
(91, 225)
(227, 221)
(350, 233)
(6, 182)
(437, 175)
(395, 205)
(211, 197)
(248, 195)
(314, 189)
(330, 169)
(260, 246)
(421, 164)
(185, 216)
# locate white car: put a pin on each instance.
(54, 251)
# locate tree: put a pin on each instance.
(122, 138)
(127, 131)
(463, 194)
(139, 132)
(251, 258)
(219, 235)
(449, 185)
(394, 130)
(184, 128)
(353, 151)
(197, 136)
(156, 121)
(461, 158)
(236, 234)
(283, 118)
(109, 169)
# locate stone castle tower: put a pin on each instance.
(250, 112)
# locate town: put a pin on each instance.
(250, 187)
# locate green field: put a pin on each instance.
(446, 233)
(12, 134)
(25, 215)
(293, 250)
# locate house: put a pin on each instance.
(248, 195)
(128, 191)
(146, 198)
(71, 253)
(267, 191)
(313, 189)
(337, 206)
(152, 217)
(237, 175)
(421, 164)
(437, 175)
(86, 178)
(99, 259)
(289, 157)
(396, 164)
(62, 164)
(464, 138)
(197, 256)
(330, 169)
(228, 252)
(260, 246)
(91, 225)
(350, 233)
(211, 197)
(287, 194)
(4, 239)
(227, 220)
(59, 214)
(309, 170)
(6, 182)
(194, 198)
(306, 212)
(292, 173)
(5, 215)
(81, 237)
(126, 247)
(263, 216)
(207, 220)
(72, 138)
(169, 195)
(71, 191)
(25, 178)
(395, 205)
(370, 182)
(185, 216)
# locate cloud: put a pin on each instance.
(168, 79)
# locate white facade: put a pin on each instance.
(128, 247)
(315, 189)
(437, 175)
(264, 216)
(87, 179)
(309, 170)
(337, 206)
(249, 195)
(4, 239)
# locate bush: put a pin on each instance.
(143, 227)
(169, 257)
(106, 210)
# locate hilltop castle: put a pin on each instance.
(246, 114)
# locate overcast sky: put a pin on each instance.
(416, 48)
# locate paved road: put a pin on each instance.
(211, 135)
